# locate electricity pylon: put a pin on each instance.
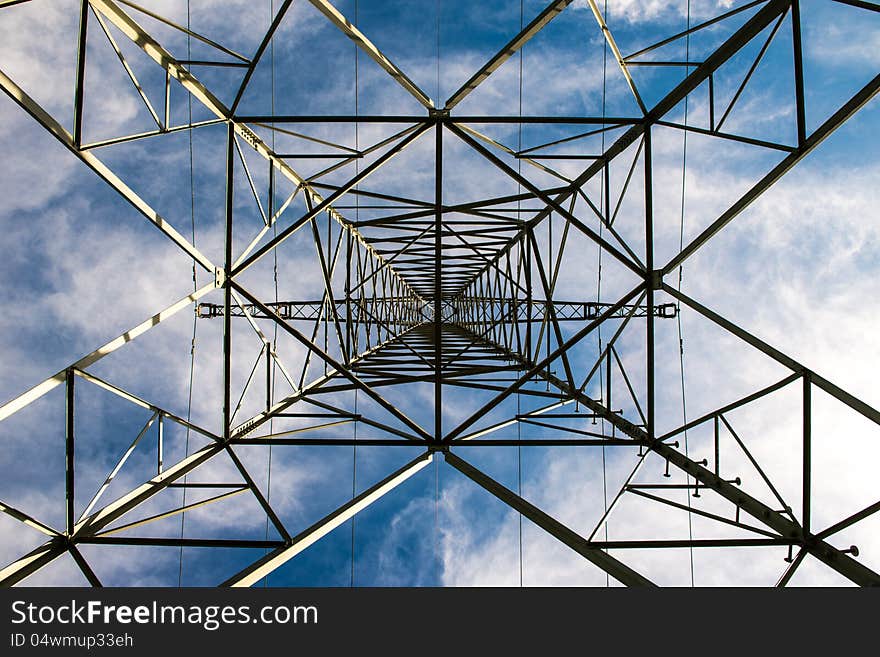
(441, 289)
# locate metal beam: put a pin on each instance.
(353, 33)
(606, 562)
(837, 119)
(142, 39)
(835, 391)
(782, 525)
(88, 158)
(31, 562)
(509, 50)
(57, 379)
(69, 488)
(79, 94)
(267, 39)
(338, 367)
(438, 283)
(277, 558)
(779, 523)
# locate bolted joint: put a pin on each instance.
(656, 279)
(438, 447)
(219, 277)
(440, 114)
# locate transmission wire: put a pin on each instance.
(528, 264)
(274, 277)
(192, 349)
(678, 303)
(357, 202)
(604, 198)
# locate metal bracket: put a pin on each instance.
(656, 280)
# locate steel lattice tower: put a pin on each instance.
(432, 289)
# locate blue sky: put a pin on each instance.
(81, 266)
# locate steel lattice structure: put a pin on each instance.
(428, 291)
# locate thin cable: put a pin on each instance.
(274, 276)
(678, 303)
(357, 218)
(604, 198)
(518, 396)
(519, 481)
(192, 349)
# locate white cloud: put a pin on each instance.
(636, 11)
